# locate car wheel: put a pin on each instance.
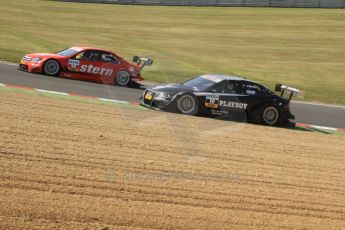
(187, 104)
(270, 116)
(122, 78)
(51, 67)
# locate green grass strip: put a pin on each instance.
(72, 98)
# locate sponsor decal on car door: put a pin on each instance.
(212, 101)
(87, 70)
(96, 69)
(232, 104)
(225, 101)
(90, 66)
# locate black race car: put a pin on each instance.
(220, 95)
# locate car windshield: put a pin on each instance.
(201, 83)
(67, 52)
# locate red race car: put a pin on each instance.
(88, 64)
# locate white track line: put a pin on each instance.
(318, 127)
(324, 127)
(54, 92)
(111, 100)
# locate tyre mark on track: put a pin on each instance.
(62, 222)
(186, 175)
(236, 159)
(201, 197)
(156, 198)
(164, 191)
(122, 157)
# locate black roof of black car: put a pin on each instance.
(226, 77)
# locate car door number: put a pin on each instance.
(212, 101)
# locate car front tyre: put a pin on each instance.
(51, 67)
(187, 104)
(123, 78)
(270, 116)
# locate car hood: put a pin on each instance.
(172, 88)
(43, 55)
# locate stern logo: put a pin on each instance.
(74, 65)
(96, 70)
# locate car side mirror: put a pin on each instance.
(136, 59)
(149, 62)
(278, 88)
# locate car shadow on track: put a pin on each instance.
(131, 85)
(288, 125)
(240, 120)
(136, 85)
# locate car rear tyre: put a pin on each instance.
(187, 104)
(270, 116)
(123, 78)
(51, 67)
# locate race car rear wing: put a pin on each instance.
(142, 61)
(286, 90)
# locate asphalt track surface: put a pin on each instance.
(314, 114)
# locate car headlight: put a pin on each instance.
(162, 95)
(36, 60)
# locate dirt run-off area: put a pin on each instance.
(75, 165)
